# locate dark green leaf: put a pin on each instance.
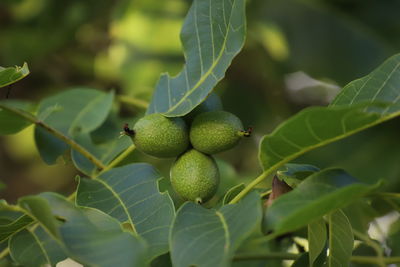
(296, 171)
(94, 238)
(212, 34)
(381, 85)
(39, 209)
(316, 239)
(340, 239)
(292, 174)
(73, 112)
(318, 195)
(203, 237)
(302, 261)
(9, 227)
(394, 238)
(360, 214)
(11, 123)
(105, 152)
(11, 75)
(130, 194)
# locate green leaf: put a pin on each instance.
(348, 114)
(130, 194)
(232, 192)
(314, 127)
(341, 239)
(316, 239)
(293, 174)
(212, 34)
(207, 237)
(360, 214)
(74, 112)
(9, 227)
(296, 171)
(10, 123)
(105, 152)
(381, 85)
(94, 238)
(35, 248)
(302, 261)
(318, 195)
(39, 209)
(11, 75)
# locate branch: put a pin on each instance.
(251, 185)
(29, 117)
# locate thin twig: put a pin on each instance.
(29, 117)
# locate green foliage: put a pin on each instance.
(132, 196)
(340, 239)
(212, 34)
(127, 214)
(319, 194)
(210, 237)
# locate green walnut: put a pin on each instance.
(212, 103)
(195, 176)
(216, 131)
(160, 136)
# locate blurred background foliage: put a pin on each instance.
(298, 53)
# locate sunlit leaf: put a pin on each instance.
(318, 195)
(212, 34)
(207, 237)
(11, 75)
(130, 194)
(341, 239)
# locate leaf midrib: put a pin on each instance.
(210, 70)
